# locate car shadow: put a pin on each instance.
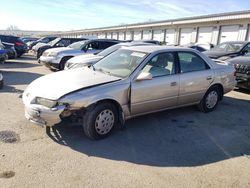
(177, 138)
(12, 64)
(13, 79)
(241, 90)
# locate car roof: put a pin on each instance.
(155, 48)
(239, 42)
(133, 44)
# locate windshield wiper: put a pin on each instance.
(103, 71)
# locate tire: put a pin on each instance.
(99, 120)
(1, 84)
(210, 100)
(63, 62)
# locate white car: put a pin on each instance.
(90, 59)
(57, 57)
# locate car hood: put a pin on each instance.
(66, 50)
(243, 60)
(55, 85)
(60, 49)
(85, 58)
(216, 54)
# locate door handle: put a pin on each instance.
(209, 78)
(173, 84)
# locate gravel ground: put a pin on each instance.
(177, 148)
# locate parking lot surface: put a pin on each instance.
(177, 148)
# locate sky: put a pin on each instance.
(64, 15)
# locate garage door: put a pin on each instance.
(229, 33)
(170, 37)
(185, 36)
(121, 36)
(128, 35)
(114, 36)
(137, 35)
(147, 35)
(248, 33)
(205, 35)
(108, 35)
(159, 35)
(101, 36)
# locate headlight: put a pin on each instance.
(53, 54)
(46, 102)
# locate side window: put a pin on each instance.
(246, 49)
(191, 62)
(64, 42)
(93, 46)
(104, 45)
(161, 65)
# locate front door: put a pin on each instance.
(161, 91)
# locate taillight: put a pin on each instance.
(19, 44)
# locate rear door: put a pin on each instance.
(195, 77)
(161, 91)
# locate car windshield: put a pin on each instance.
(53, 42)
(109, 50)
(77, 45)
(229, 47)
(120, 63)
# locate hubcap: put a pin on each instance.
(104, 122)
(211, 99)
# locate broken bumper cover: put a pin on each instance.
(44, 116)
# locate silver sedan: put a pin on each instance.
(130, 82)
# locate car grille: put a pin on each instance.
(242, 68)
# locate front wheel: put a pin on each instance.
(63, 62)
(99, 120)
(210, 100)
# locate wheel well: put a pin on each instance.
(117, 105)
(64, 60)
(221, 90)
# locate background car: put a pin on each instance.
(42, 40)
(3, 55)
(242, 67)
(56, 58)
(227, 50)
(29, 39)
(10, 49)
(19, 45)
(1, 80)
(129, 82)
(58, 42)
(90, 59)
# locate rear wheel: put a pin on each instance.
(99, 120)
(210, 100)
(63, 62)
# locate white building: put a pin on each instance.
(213, 29)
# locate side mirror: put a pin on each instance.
(244, 52)
(144, 76)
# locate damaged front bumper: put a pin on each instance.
(42, 115)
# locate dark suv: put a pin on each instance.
(58, 42)
(242, 68)
(19, 45)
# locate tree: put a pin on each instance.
(12, 28)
